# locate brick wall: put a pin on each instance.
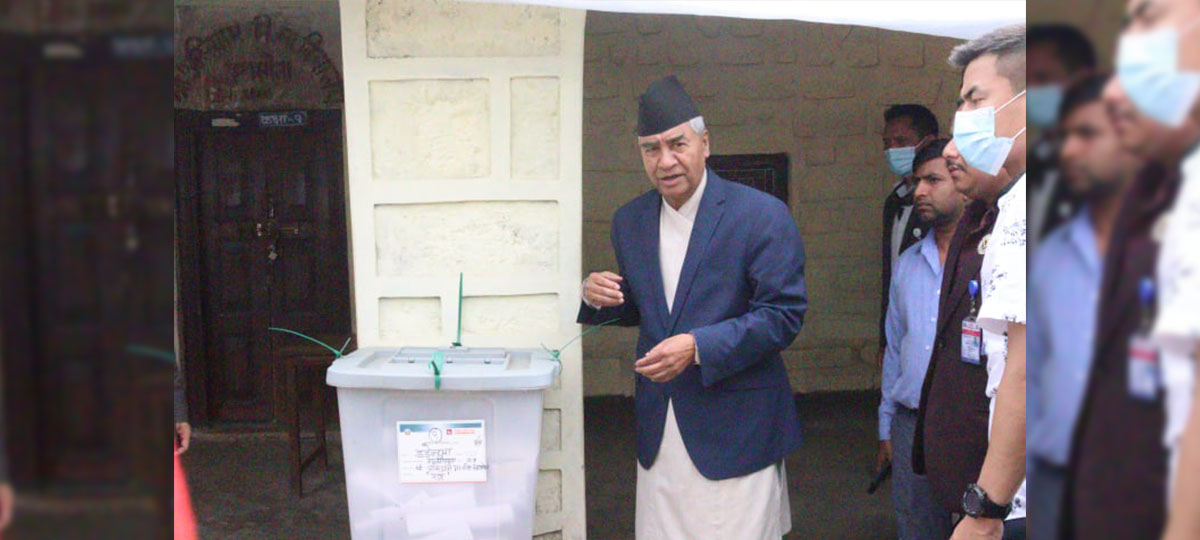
(816, 92)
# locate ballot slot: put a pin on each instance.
(451, 355)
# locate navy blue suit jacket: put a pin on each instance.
(741, 294)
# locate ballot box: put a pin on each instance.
(441, 443)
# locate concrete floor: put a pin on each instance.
(240, 489)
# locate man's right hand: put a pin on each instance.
(885, 455)
(603, 289)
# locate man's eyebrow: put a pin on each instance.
(675, 139)
(649, 144)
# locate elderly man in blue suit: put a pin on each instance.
(712, 273)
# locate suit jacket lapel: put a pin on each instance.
(708, 217)
(649, 247)
(962, 256)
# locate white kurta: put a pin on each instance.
(674, 501)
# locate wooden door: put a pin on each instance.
(85, 258)
(271, 222)
(233, 204)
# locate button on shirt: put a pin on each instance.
(1063, 299)
(1003, 282)
(1177, 327)
(911, 327)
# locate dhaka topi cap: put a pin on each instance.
(664, 105)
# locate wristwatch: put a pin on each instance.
(976, 504)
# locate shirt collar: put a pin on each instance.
(691, 207)
(1007, 192)
(929, 251)
(1008, 189)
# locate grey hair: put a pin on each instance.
(697, 124)
(1007, 43)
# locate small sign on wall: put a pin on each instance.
(282, 119)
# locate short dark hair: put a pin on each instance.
(930, 152)
(1087, 90)
(923, 120)
(1007, 43)
(1073, 48)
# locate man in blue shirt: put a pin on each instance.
(911, 325)
(1064, 288)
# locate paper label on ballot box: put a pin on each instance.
(441, 452)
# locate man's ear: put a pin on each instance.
(707, 148)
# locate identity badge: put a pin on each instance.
(972, 334)
(972, 339)
(1145, 374)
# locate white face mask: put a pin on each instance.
(975, 137)
(1148, 69)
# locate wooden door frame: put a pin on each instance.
(191, 278)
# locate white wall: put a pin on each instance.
(463, 124)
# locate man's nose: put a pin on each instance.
(667, 159)
(921, 191)
(951, 152)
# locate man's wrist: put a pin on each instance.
(977, 503)
(583, 295)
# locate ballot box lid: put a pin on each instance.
(462, 369)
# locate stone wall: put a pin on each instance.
(463, 156)
(814, 91)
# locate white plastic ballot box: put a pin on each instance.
(441, 443)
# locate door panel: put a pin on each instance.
(232, 186)
(272, 221)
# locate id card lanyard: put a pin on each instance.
(972, 334)
(1144, 368)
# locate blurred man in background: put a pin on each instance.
(906, 130)
(1123, 417)
(1064, 289)
(1058, 56)
(1158, 62)
(911, 318)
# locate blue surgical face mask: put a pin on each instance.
(1148, 69)
(975, 137)
(1044, 102)
(900, 160)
